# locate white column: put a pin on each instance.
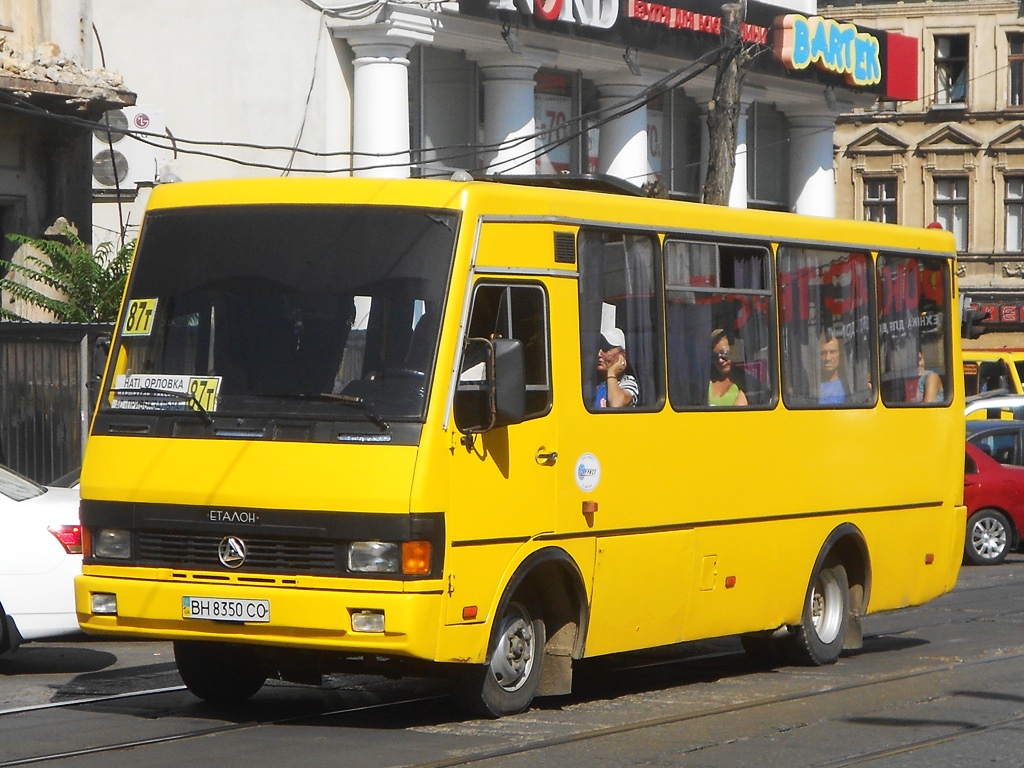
(812, 183)
(509, 116)
(738, 190)
(622, 145)
(380, 108)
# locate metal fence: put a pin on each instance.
(49, 377)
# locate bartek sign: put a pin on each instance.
(829, 45)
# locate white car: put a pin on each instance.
(995, 407)
(40, 556)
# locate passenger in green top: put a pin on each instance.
(722, 390)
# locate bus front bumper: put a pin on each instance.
(387, 623)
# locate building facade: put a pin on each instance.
(50, 98)
(955, 156)
(617, 87)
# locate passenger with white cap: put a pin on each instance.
(616, 388)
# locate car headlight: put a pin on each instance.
(112, 543)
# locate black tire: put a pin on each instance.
(988, 537)
(219, 672)
(819, 638)
(508, 682)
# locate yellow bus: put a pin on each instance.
(992, 370)
(486, 429)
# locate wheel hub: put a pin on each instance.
(826, 607)
(989, 538)
(513, 658)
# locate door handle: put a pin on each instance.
(546, 457)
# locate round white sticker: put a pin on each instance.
(588, 472)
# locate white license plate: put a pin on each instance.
(225, 609)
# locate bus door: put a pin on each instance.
(503, 479)
(625, 482)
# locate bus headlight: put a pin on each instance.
(374, 557)
(112, 543)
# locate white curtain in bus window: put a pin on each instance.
(913, 303)
(827, 333)
(717, 316)
(618, 272)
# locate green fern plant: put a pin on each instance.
(91, 283)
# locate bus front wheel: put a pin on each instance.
(819, 638)
(508, 682)
(219, 672)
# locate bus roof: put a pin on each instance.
(533, 200)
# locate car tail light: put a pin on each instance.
(69, 536)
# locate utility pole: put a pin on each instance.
(724, 107)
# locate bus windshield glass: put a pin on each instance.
(285, 310)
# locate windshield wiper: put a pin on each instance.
(352, 400)
(146, 393)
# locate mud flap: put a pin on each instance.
(557, 677)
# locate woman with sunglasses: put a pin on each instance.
(723, 390)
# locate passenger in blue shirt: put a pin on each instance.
(616, 388)
(832, 390)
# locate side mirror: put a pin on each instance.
(491, 391)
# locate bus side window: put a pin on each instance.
(518, 311)
(913, 297)
(620, 310)
(718, 320)
(826, 328)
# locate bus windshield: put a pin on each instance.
(285, 310)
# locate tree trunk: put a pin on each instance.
(724, 108)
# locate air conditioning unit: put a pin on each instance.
(124, 161)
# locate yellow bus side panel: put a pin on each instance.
(519, 244)
(766, 596)
(641, 584)
(763, 491)
(475, 578)
(738, 585)
(900, 542)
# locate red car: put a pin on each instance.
(994, 496)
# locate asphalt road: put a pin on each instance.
(942, 684)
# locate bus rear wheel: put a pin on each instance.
(508, 682)
(988, 537)
(221, 673)
(819, 638)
